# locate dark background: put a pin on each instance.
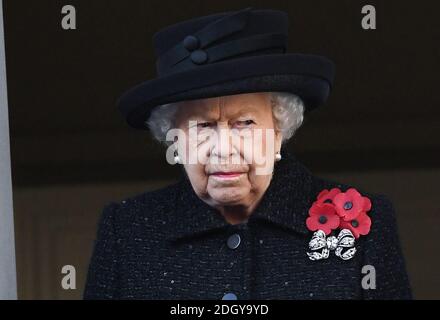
(72, 152)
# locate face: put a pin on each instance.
(233, 141)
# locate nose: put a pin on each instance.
(223, 146)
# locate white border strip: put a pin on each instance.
(8, 282)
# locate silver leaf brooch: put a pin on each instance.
(332, 210)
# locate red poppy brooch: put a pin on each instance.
(334, 209)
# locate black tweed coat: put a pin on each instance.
(168, 244)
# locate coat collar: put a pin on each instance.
(285, 203)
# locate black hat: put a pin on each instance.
(224, 54)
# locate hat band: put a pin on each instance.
(267, 42)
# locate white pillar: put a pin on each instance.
(8, 282)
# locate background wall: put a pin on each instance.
(72, 152)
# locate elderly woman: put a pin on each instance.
(247, 220)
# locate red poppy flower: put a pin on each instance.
(326, 196)
(322, 217)
(358, 226)
(350, 204)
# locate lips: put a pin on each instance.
(226, 175)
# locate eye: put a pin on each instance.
(245, 123)
(204, 124)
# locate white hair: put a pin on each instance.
(287, 110)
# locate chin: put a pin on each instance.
(229, 196)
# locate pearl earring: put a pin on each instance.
(176, 157)
(278, 156)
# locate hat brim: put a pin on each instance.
(308, 76)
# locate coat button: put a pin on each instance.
(234, 241)
(191, 43)
(229, 296)
(199, 56)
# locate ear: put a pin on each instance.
(175, 143)
(278, 140)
